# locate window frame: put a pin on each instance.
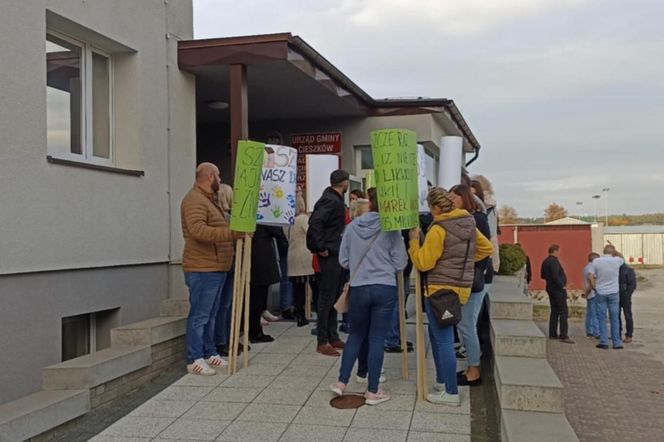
(87, 118)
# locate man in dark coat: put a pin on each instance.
(627, 283)
(326, 226)
(556, 280)
(264, 273)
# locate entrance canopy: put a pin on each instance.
(280, 77)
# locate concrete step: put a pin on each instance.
(149, 332)
(510, 337)
(506, 302)
(528, 384)
(528, 426)
(174, 307)
(96, 368)
(32, 415)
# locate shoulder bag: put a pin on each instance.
(341, 305)
(445, 303)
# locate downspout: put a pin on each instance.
(477, 154)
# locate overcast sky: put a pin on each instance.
(566, 97)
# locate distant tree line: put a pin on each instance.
(508, 215)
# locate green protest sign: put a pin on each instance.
(247, 185)
(395, 170)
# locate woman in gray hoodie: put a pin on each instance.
(374, 258)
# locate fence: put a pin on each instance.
(639, 248)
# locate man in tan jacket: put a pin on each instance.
(208, 254)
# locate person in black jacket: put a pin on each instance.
(326, 227)
(627, 283)
(556, 280)
(264, 273)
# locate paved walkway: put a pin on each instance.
(617, 395)
(283, 395)
(610, 395)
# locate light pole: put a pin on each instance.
(596, 197)
(606, 205)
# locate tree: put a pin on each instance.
(507, 215)
(554, 212)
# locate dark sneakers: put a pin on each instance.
(602, 346)
(567, 340)
(260, 338)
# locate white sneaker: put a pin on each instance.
(216, 361)
(360, 380)
(200, 367)
(269, 316)
(442, 398)
(338, 388)
(375, 398)
(439, 387)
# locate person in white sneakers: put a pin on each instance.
(207, 257)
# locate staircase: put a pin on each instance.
(531, 395)
(138, 353)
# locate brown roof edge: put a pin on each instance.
(302, 46)
(233, 41)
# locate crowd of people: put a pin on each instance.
(455, 248)
(609, 283)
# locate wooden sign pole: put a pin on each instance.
(401, 299)
(420, 346)
(236, 286)
(238, 307)
(246, 268)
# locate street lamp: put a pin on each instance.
(596, 197)
(606, 205)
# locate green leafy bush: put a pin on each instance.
(512, 258)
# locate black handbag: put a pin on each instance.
(445, 303)
(446, 307)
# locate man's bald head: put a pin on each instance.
(207, 177)
(206, 169)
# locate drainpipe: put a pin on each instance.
(472, 160)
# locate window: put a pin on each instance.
(88, 333)
(78, 100)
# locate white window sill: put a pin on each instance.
(94, 166)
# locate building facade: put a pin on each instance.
(97, 148)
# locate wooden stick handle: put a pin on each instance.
(422, 387)
(234, 319)
(247, 291)
(401, 299)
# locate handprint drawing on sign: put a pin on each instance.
(278, 192)
(259, 216)
(277, 212)
(291, 201)
(290, 216)
(263, 199)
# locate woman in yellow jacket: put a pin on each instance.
(450, 248)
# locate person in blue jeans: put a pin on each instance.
(373, 258)
(451, 247)
(592, 325)
(470, 311)
(207, 257)
(604, 279)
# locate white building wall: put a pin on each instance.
(60, 217)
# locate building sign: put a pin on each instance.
(317, 143)
(320, 143)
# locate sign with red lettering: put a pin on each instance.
(319, 143)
